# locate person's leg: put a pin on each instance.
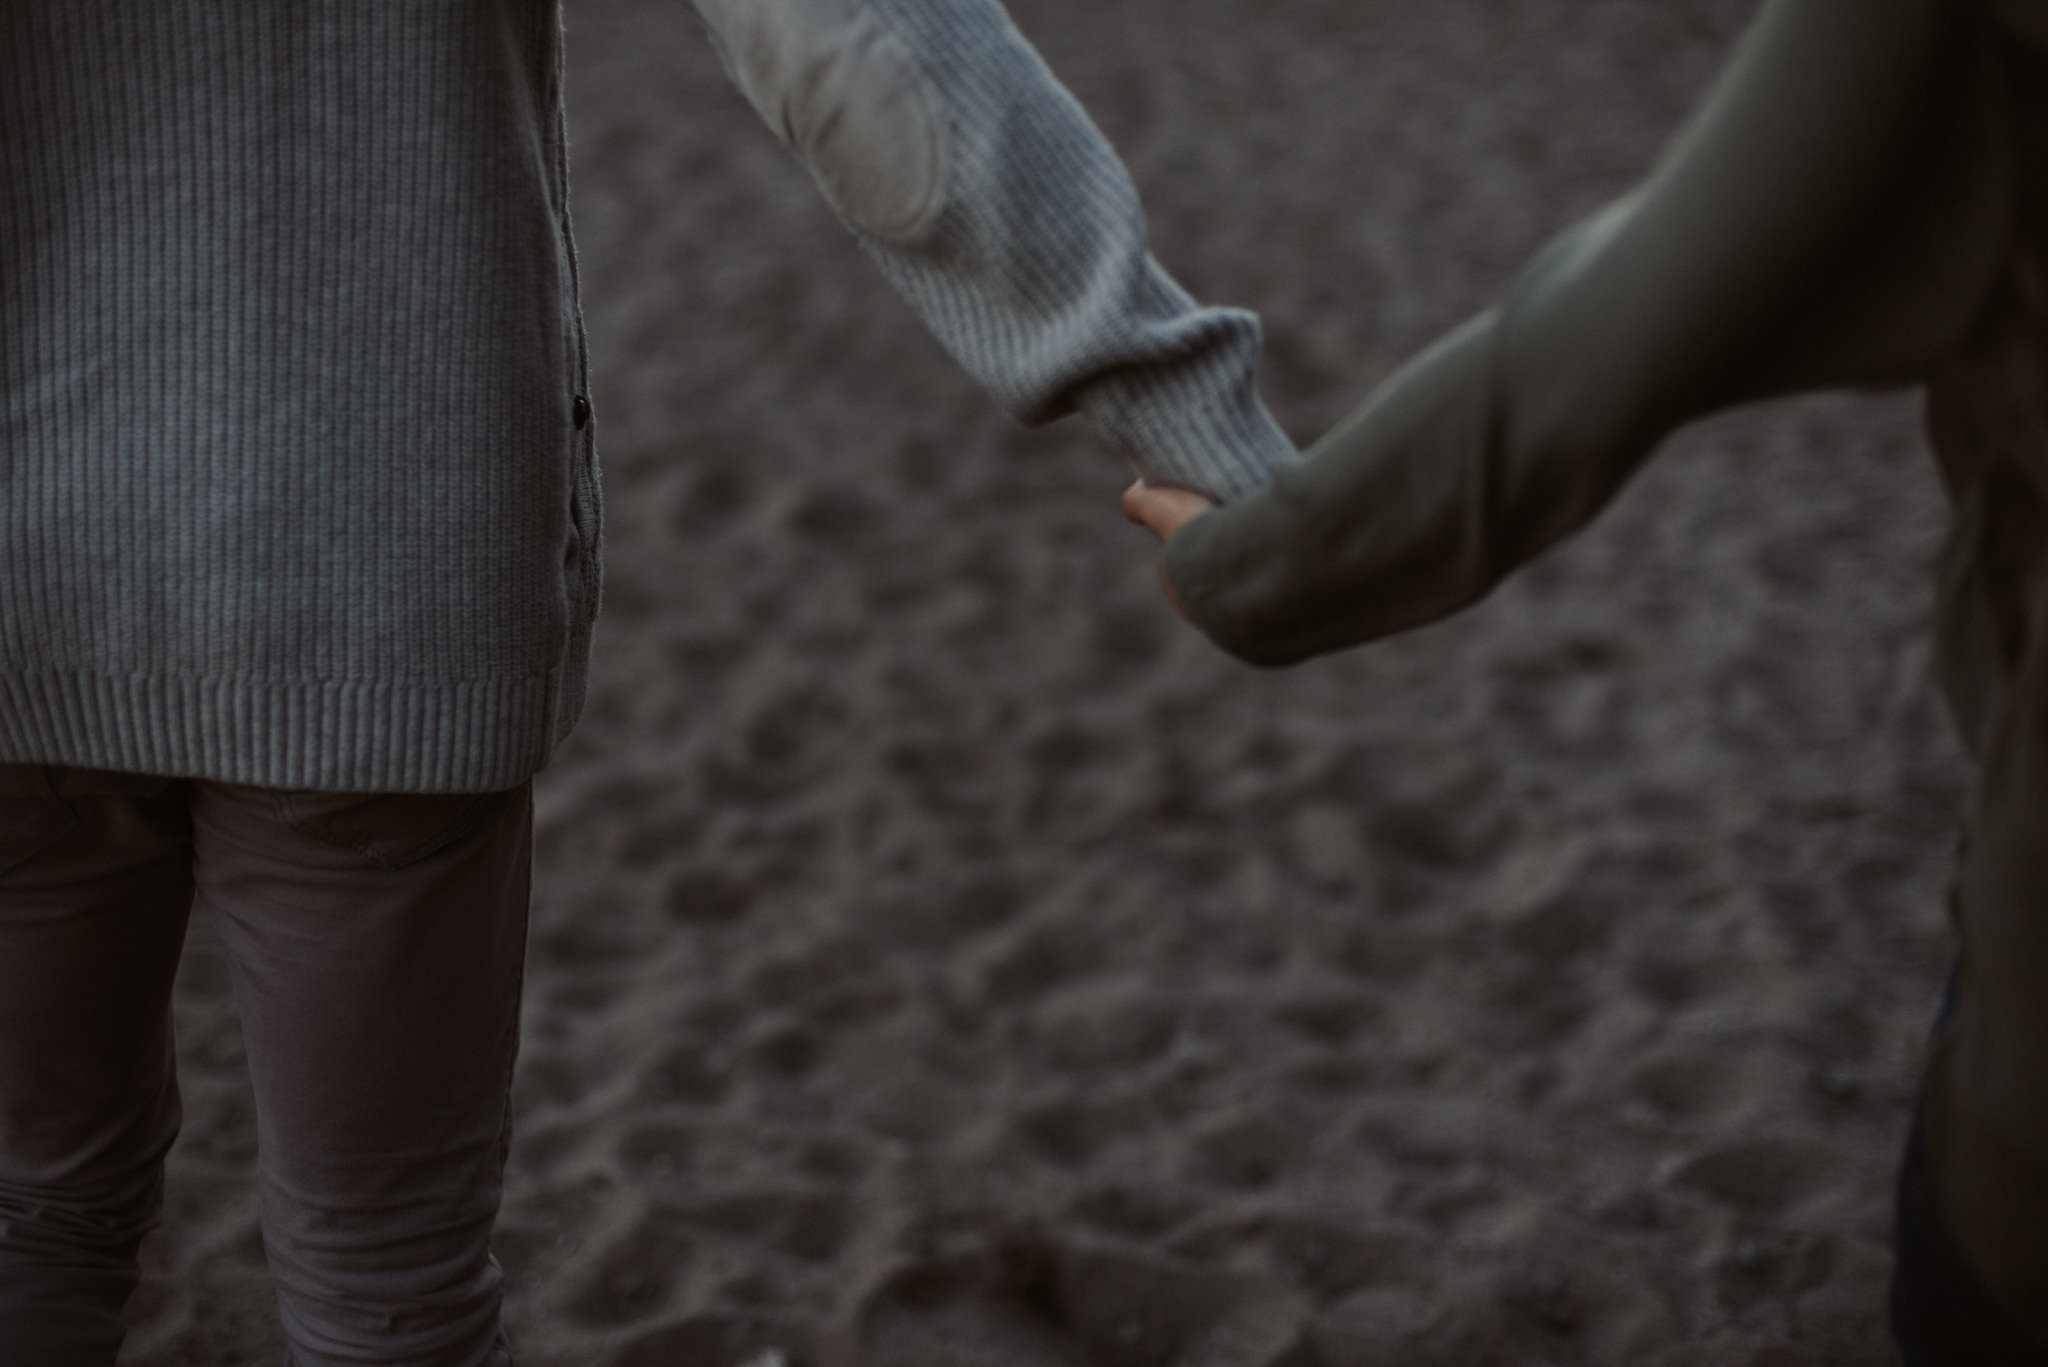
(1941, 1314)
(1971, 1286)
(377, 946)
(95, 885)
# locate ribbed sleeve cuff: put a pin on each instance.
(1198, 427)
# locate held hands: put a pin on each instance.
(1162, 509)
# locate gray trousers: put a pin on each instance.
(376, 946)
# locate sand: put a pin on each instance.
(942, 956)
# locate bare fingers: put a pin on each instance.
(1161, 509)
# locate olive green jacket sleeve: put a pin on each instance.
(1834, 213)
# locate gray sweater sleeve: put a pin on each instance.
(1833, 214)
(995, 207)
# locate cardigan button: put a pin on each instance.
(579, 412)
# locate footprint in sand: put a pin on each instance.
(719, 1339)
(1113, 1029)
(1071, 1131)
(1535, 1006)
(550, 1078)
(1325, 1259)
(1578, 917)
(691, 1074)
(1034, 960)
(1691, 1087)
(833, 983)
(1384, 952)
(1674, 979)
(1245, 1152)
(634, 1278)
(1330, 1018)
(809, 1225)
(1763, 1176)
(1134, 1212)
(658, 1148)
(785, 1047)
(1026, 1302)
(706, 898)
(784, 744)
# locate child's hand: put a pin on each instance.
(1161, 508)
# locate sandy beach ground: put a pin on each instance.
(940, 956)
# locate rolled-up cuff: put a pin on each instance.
(1202, 428)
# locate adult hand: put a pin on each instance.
(1161, 509)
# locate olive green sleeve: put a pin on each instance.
(1832, 214)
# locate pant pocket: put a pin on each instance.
(32, 816)
(390, 830)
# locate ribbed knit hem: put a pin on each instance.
(1201, 428)
(339, 737)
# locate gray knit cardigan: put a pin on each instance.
(297, 484)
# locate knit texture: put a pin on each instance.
(293, 490)
(1038, 278)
